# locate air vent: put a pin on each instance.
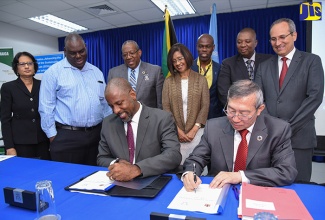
(100, 10)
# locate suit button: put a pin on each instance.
(33, 120)
(32, 110)
(279, 102)
(31, 99)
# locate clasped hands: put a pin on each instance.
(182, 137)
(218, 181)
(123, 171)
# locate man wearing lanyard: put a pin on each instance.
(210, 69)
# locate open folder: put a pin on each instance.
(98, 182)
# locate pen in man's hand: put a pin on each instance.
(194, 173)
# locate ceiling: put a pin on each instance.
(127, 12)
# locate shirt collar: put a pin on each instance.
(136, 116)
(252, 58)
(136, 69)
(66, 64)
(289, 55)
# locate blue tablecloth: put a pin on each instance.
(24, 173)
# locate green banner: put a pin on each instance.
(6, 55)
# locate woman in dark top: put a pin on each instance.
(20, 120)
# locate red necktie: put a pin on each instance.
(241, 157)
(130, 139)
(283, 71)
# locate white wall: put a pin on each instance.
(21, 39)
(318, 30)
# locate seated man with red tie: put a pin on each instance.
(136, 141)
(244, 146)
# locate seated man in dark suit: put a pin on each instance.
(244, 146)
(137, 140)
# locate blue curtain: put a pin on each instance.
(104, 47)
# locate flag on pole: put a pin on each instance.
(214, 32)
(169, 40)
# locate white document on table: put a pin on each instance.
(5, 157)
(205, 199)
(96, 181)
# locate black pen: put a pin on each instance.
(194, 173)
(117, 160)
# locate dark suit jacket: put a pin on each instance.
(215, 109)
(149, 82)
(270, 159)
(20, 120)
(157, 145)
(300, 95)
(234, 69)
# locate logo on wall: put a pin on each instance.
(310, 11)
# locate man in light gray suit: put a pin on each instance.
(148, 79)
(155, 143)
(299, 96)
(269, 159)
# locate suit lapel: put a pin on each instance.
(227, 145)
(120, 131)
(142, 129)
(258, 136)
(242, 67)
(274, 70)
(292, 68)
(20, 84)
(141, 73)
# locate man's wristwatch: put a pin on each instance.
(198, 124)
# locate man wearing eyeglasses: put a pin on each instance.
(293, 85)
(244, 146)
(209, 69)
(72, 105)
(241, 66)
(146, 79)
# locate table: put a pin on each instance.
(23, 173)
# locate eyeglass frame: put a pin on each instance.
(280, 38)
(130, 53)
(179, 59)
(23, 64)
(239, 116)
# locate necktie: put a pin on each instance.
(283, 71)
(133, 81)
(130, 139)
(250, 69)
(241, 157)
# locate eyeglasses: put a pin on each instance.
(24, 64)
(130, 53)
(280, 38)
(241, 117)
(178, 59)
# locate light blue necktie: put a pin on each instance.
(133, 81)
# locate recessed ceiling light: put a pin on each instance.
(175, 7)
(58, 23)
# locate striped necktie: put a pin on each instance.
(133, 81)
